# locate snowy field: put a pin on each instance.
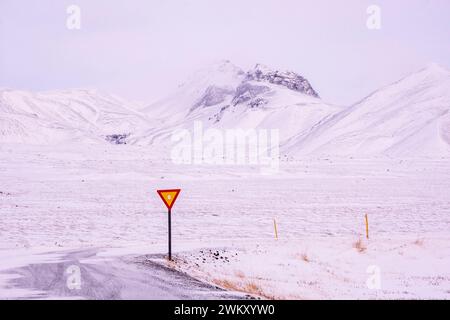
(223, 222)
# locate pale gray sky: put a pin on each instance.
(142, 49)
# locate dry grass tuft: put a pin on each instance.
(304, 257)
(239, 274)
(360, 246)
(253, 288)
(226, 284)
(249, 287)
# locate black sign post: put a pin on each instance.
(169, 197)
(170, 234)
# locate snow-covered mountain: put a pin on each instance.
(225, 96)
(407, 118)
(64, 116)
(410, 117)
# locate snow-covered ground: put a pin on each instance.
(78, 197)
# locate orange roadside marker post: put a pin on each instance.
(169, 197)
(275, 228)
(367, 226)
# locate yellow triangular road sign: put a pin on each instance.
(169, 196)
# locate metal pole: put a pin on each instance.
(170, 235)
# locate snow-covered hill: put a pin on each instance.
(63, 116)
(410, 117)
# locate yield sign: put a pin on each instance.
(169, 196)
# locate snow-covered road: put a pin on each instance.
(84, 275)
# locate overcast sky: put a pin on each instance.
(142, 49)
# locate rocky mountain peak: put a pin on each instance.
(287, 79)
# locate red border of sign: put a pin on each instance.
(174, 199)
